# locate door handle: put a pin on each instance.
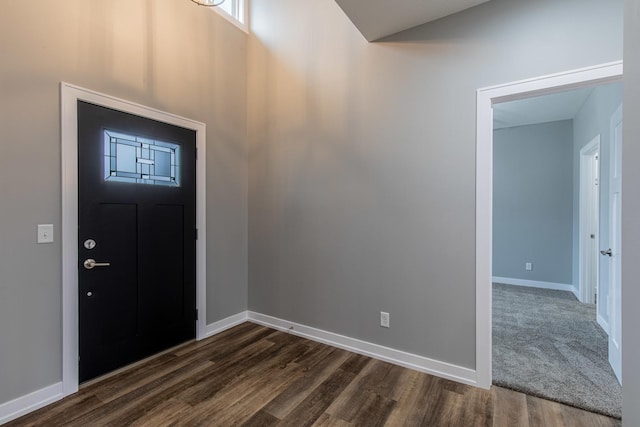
(607, 252)
(91, 263)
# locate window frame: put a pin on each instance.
(239, 13)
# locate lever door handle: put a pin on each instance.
(91, 263)
(607, 252)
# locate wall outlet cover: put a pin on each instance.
(384, 319)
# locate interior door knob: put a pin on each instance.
(607, 252)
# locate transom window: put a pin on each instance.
(139, 160)
(234, 11)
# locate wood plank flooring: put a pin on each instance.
(251, 375)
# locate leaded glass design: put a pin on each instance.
(135, 159)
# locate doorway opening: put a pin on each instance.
(486, 99)
(547, 341)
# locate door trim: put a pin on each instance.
(485, 98)
(69, 96)
(587, 201)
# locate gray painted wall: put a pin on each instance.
(630, 209)
(363, 198)
(362, 159)
(159, 54)
(532, 202)
(594, 119)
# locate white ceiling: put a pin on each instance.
(380, 18)
(540, 109)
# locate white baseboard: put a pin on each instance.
(603, 323)
(30, 402)
(537, 284)
(397, 357)
(224, 324)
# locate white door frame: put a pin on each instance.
(588, 213)
(486, 97)
(69, 96)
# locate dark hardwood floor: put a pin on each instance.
(251, 375)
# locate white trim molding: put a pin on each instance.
(224, 324)
(486, 97)
(603, 323)
(537, 284)
(69, 96)
(588, 219)
(397, 357)
(23, 405)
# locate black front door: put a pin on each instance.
(136, 248)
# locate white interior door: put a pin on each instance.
(615, 199)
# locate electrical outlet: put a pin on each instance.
(528, 266)
(384, 319)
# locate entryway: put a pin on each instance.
(137, 237)
(134, 203)
(486, 98)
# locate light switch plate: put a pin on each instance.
(45, 233)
